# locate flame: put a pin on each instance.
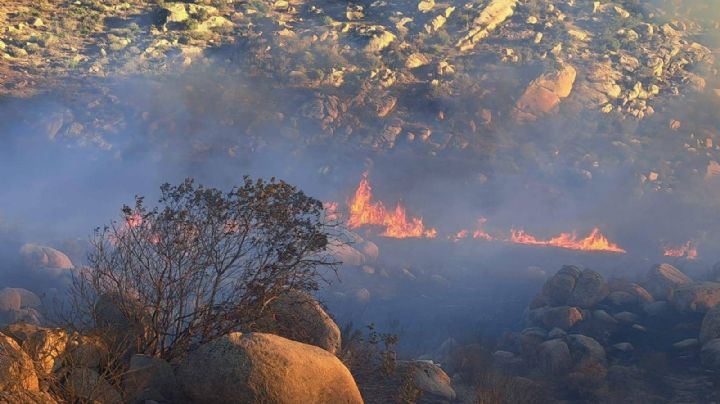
(596, 241)
(480, 233)
(687, 250)
(363, 211)
(461, 235)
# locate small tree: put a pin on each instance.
(202, 263)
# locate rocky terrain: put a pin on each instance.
(477, 80)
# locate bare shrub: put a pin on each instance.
(199, 265)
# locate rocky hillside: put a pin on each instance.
(633, 84)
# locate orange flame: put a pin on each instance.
(687, 250)
(596, 241)
(363, 211)
(480, 233)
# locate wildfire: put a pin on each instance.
(595, 241)
(480, 233)
(364, 211)
(687, 250)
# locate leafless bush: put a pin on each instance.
(199, 265)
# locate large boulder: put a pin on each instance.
(557, 289)
(257, 368)
(41, 257)
(298, 316)
(10, 299)
(663, 279)
(149, 379)
(554, 356)
(17, 372)
(585, 350)
(85, 351)
(563, 317)
(543, 94)
(710, 354)
(697, 297)
(429, 378)
(44, 345)
(710, 328)
(590, 289)
(28, 299)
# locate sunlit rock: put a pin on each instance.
(258, 367)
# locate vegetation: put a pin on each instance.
(201, 264)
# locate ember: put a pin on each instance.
(364, 211)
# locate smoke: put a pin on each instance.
(70, 162)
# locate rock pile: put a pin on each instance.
(582, 328)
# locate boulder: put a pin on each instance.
(710, 328)
(626, 317)
(554, 356)
(26, 397)
(28, 299)
(543, 94)
(257, 367)
(428, 378)
(590, 289)
(10, 299)
(17, 372)
(149, 378)
(557, 289)
(298, 316)
(563, 317)
(697, 297)
(585, 350)
(29, 316)
(686, 344)
(620, 298)
(710, 354)
(663, 279)
(44, 345)
(87, 385)
(36, 256)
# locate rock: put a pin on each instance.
(710, 354)
(585, 349)
(589, 290)
(416, 60)
(554, 356)
(686, 344)
(626, 317)
(604, 317)
(87, 385)
(260, 367)
(697, 297)
(429, 378)
(176, 12)
(658, 309)
(557, 289)
(494, 14)
(26, 397)
(45, 346)
(10, 300)
(28, 299)
(624, 347)
(543, 94)
(710, 328)
(536, 332)
(379, 41)
(556, 333)
(40, 257)
(346, 254)
(298, 316)
(30, 316)
(562, 317)
(426, 5)
(621, 299)
(663, 279)
(17, 372)
(508, 362)
(149, 378)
